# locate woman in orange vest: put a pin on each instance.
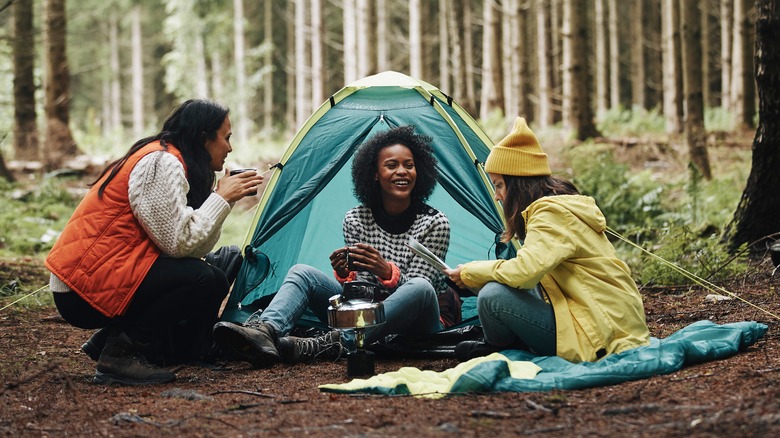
(129, 260)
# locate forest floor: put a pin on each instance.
(46, 387)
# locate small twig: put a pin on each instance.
(545, 429)
(242, 391)
(769, 370)
(533, 405)
(489, 414)
(9, 3)
(14, 385)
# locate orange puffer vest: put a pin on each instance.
(103, 254)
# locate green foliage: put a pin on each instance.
(703, 255)
(626, 122)
(31, 219)
(629, 200)
(718, 119)
(679, 220)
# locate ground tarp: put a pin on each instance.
(699, 342)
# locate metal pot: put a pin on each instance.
(354, 313)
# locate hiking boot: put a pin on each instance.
(94, 345)
(253, 342)
(467, 350)
(298, 350)
(120, 362)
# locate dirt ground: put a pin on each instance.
(46, 389)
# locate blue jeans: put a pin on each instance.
(509, 315)
(412, 308)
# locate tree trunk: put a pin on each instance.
(116, 80)
(4, 172)
(241, 118)
(415, 39)
(544, 61)
(492, 71)
(366, 41)
(726, 40)
(218, 81)
(638, 97)
(614, 55)
(470, 103)
(137, 95)
(756, 215)
(268, 78)
(672, 73)
(556, 32)
(350, 42)
(577, 112)
(382, 49)
(690, 19)
(302, 92)
(743, 96)
(289, 62)
(653, 50)
(602, 66)
(446, 54)
(26, 145)
(59, 140)
(318, 68)
(201, 71)
(512, 58)
(704, 14)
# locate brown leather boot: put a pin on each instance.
(254, 342)
(121, 363)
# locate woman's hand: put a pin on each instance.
(364, 257)
(234, 187)
(454, 275)
(339, 262)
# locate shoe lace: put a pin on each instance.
(328, 345)
(254, 321)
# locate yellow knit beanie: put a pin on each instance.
(518, 154)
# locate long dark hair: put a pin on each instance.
(521, 191)
(364, 165)
(187, 129)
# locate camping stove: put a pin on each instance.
(357, 308)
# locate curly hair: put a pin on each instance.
(364, 165)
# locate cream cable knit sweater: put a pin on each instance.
(158, 198)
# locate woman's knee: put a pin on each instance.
(491, 292)
(420, 287)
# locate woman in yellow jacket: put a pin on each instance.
(565, 293)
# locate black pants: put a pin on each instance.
(171, 313)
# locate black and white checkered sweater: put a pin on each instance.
(430, 227)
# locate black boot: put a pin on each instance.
(325, 347)
(254, 342)
(120, 362)
(94, 345)
(467, 350)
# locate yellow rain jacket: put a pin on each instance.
(598, 309)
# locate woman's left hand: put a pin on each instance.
(364, 257)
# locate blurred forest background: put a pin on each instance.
(643, 103)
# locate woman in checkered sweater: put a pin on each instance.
(394, 173)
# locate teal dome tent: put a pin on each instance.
(301, 210)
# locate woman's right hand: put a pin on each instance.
(340, 262)
(454, 275)
(234, 187)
